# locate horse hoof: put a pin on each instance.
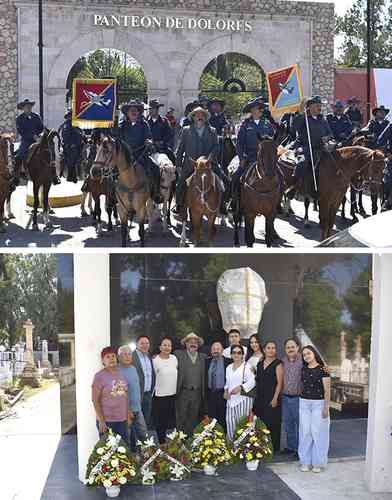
(307, 224)
(182, 244)
(84, 214)
(355, 219)
(35, 227)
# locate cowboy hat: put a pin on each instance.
(134, 103)
(259, 102)
(22, 104)
(204, 98)
(380, 108)
(219, 101)
(199, 109)
(154, 103)
(314, 100)
(192, 336)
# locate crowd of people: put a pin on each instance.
(137, 393)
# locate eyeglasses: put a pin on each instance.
(237, 352)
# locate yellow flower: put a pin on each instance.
(259, 455)
(249, 456)
(266, 431)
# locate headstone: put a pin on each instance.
(30, 375)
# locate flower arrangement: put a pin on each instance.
(168, 462)
(110, 463)
(252, 440)
(208, 445)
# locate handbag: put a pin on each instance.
(252, 393)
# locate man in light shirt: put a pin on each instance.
(143, 364)
(234, 339)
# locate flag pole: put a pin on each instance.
(310, 149)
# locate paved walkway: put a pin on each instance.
(70, 230)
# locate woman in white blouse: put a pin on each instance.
(240, 380)
(255, 353)
(165, 367)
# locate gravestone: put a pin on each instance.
(30, 374)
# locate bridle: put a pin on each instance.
(203, 191)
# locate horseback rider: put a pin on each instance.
(161, 131)
(340, 123)
(251, 128)
(29, 126)
(320, 132)
(186, 121)
(198, 139)
(353, 112)
(376, 126)
(217, 116)
(204, 102)
(291, 122)
(135, 131)
(71, 140)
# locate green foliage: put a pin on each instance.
(353, 28)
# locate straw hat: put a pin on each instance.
(191, 336)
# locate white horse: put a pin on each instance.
(168, 176)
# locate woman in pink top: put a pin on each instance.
(110, 397)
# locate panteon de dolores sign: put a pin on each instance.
(170, 22)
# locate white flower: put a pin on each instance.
(172, 435)
(122, 480)
(121, 449)
(107, 483)
(177, 470)
(149, 443)
(148, 477)
(114, 462)
(100, 451)
(112, 441)
(182, 435)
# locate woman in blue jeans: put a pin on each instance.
(292, 385)
(314, 421)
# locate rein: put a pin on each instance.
(204, 192)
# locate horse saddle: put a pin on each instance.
(289, 158)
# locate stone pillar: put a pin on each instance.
(92, 333)
(379, 439)
(45, 355)
(30, 374)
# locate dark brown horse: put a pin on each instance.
(335, 173)
(261, 193)
(41, 166)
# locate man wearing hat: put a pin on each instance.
(190, 383)
(71, 140)
(162, 133)
(186, 121)
(378, 127)
(353, 112)
(217, 115)
(319, 131)
(198, 139)
(204, 102)
(170, 117)
(251, 128)
(340, 124)
(135, 131)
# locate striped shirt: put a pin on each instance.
(292, 385)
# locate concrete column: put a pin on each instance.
(379, 439)
(92, 333)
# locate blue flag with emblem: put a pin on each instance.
(284, 90)
(93, 103)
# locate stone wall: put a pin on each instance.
(8, 65)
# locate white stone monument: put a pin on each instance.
(30, 375)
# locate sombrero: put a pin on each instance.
(21, 104)
(192, 336)
(380, 108)
(199, 109)
(220, 101)
(132, 104)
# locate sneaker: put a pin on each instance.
(305, 468)
(316, 470)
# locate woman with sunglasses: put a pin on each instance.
(269, 384)
(314, 419)
(239, 382)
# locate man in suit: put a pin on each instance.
(190, 383)
(215, 378)
(145, 370)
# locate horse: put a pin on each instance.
(40, 164)
(132, 189)
(228, 150)
(261, 192)
(89, 151)
(167, 185)
(335, 173)
(203, 198)
(5, 178)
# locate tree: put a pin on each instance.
(353, 28)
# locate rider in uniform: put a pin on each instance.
(340, 124)
(204, 102)
(251, 128)
(319, 131)
(161, 131)
(217, 116)
(376, 126)
(198, 139)
(354, 113)
(29, 126)
(135, 131)
(71, 139)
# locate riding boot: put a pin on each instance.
(180, 198)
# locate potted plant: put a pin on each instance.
(110, 465)
(209, 447)
(252, 442)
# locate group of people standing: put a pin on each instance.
(136, 393)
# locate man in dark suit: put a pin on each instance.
(145, 370)
(190, 383)
(215, 379)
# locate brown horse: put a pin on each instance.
(203, 198)
(40, 164)
(5, 177)
(132, 189)
(335, 173)
(261, 193)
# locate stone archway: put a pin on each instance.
(61, 63)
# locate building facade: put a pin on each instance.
(173, 40)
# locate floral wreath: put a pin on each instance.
(252, 440)
(208, 445)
